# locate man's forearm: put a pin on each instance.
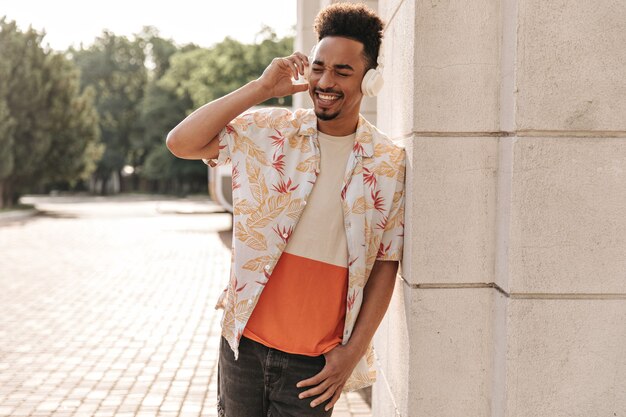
(376, 296)
(190, 137)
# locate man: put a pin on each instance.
(318, 199)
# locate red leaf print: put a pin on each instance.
(240, 288)
(278, 141)
(382, 250)
(358, 148)
(284, 233)
(382, 224)
(351, 300)
(283, 187)
(378, 200)
(278, 163)
(369, 177)
(229, 129)
(352, 261)
(235, 176)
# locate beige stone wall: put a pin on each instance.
(511, 300)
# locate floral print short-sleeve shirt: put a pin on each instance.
(275, 159)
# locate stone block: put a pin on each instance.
(566, 358)
(450, 210)
(396, 101)
(570, 65)
(456, 66)
(568, 216)
(391, 344)
(451, 336)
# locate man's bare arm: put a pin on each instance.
(193, 137)
(341, 361)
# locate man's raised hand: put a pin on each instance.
(277, 77)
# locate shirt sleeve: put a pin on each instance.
(392, 242)
(227, 138)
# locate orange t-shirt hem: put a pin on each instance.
(302, 308)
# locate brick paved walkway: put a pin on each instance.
(106, 309)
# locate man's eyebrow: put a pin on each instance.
(337, 66)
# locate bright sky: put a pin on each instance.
(203, 22)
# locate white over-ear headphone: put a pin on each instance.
(373, 80)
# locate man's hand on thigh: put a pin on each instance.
(328, 383)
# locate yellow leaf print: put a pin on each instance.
(243, 206)
(308, 164)
(262, 119)
(294, 208)
(268, 211)
(397, 157)
(383, 148)
(257, 182)
(240, 122)
(242, 311)
(386, 169)
(397, 196)
(364, 137)
(401, 174)
(253, 150)
(395, 220)
(304, 117)
(270, 119)
(257, 264)
(251, 238)
(359, 206)
(300, 142)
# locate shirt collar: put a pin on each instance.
(363, 142)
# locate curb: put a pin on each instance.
(17, 215)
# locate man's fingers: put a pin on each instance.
(314, 380)
(326, 395)
(291, 65)
(315, 390)
(334, 400)
(300, 87)
(303, 61)
(298, 61)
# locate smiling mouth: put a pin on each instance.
(326, 98)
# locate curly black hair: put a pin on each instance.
(353, 21)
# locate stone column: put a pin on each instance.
(511, 300)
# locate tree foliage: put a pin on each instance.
(86, 114)
(114, 67)
(48, 128)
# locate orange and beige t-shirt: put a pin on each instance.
(303, 305)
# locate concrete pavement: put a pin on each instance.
(106, 308)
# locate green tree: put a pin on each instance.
(114, 66)
(40, 140)
(206, 74)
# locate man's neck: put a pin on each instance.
(338, 127)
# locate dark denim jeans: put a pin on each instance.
(262, 382)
